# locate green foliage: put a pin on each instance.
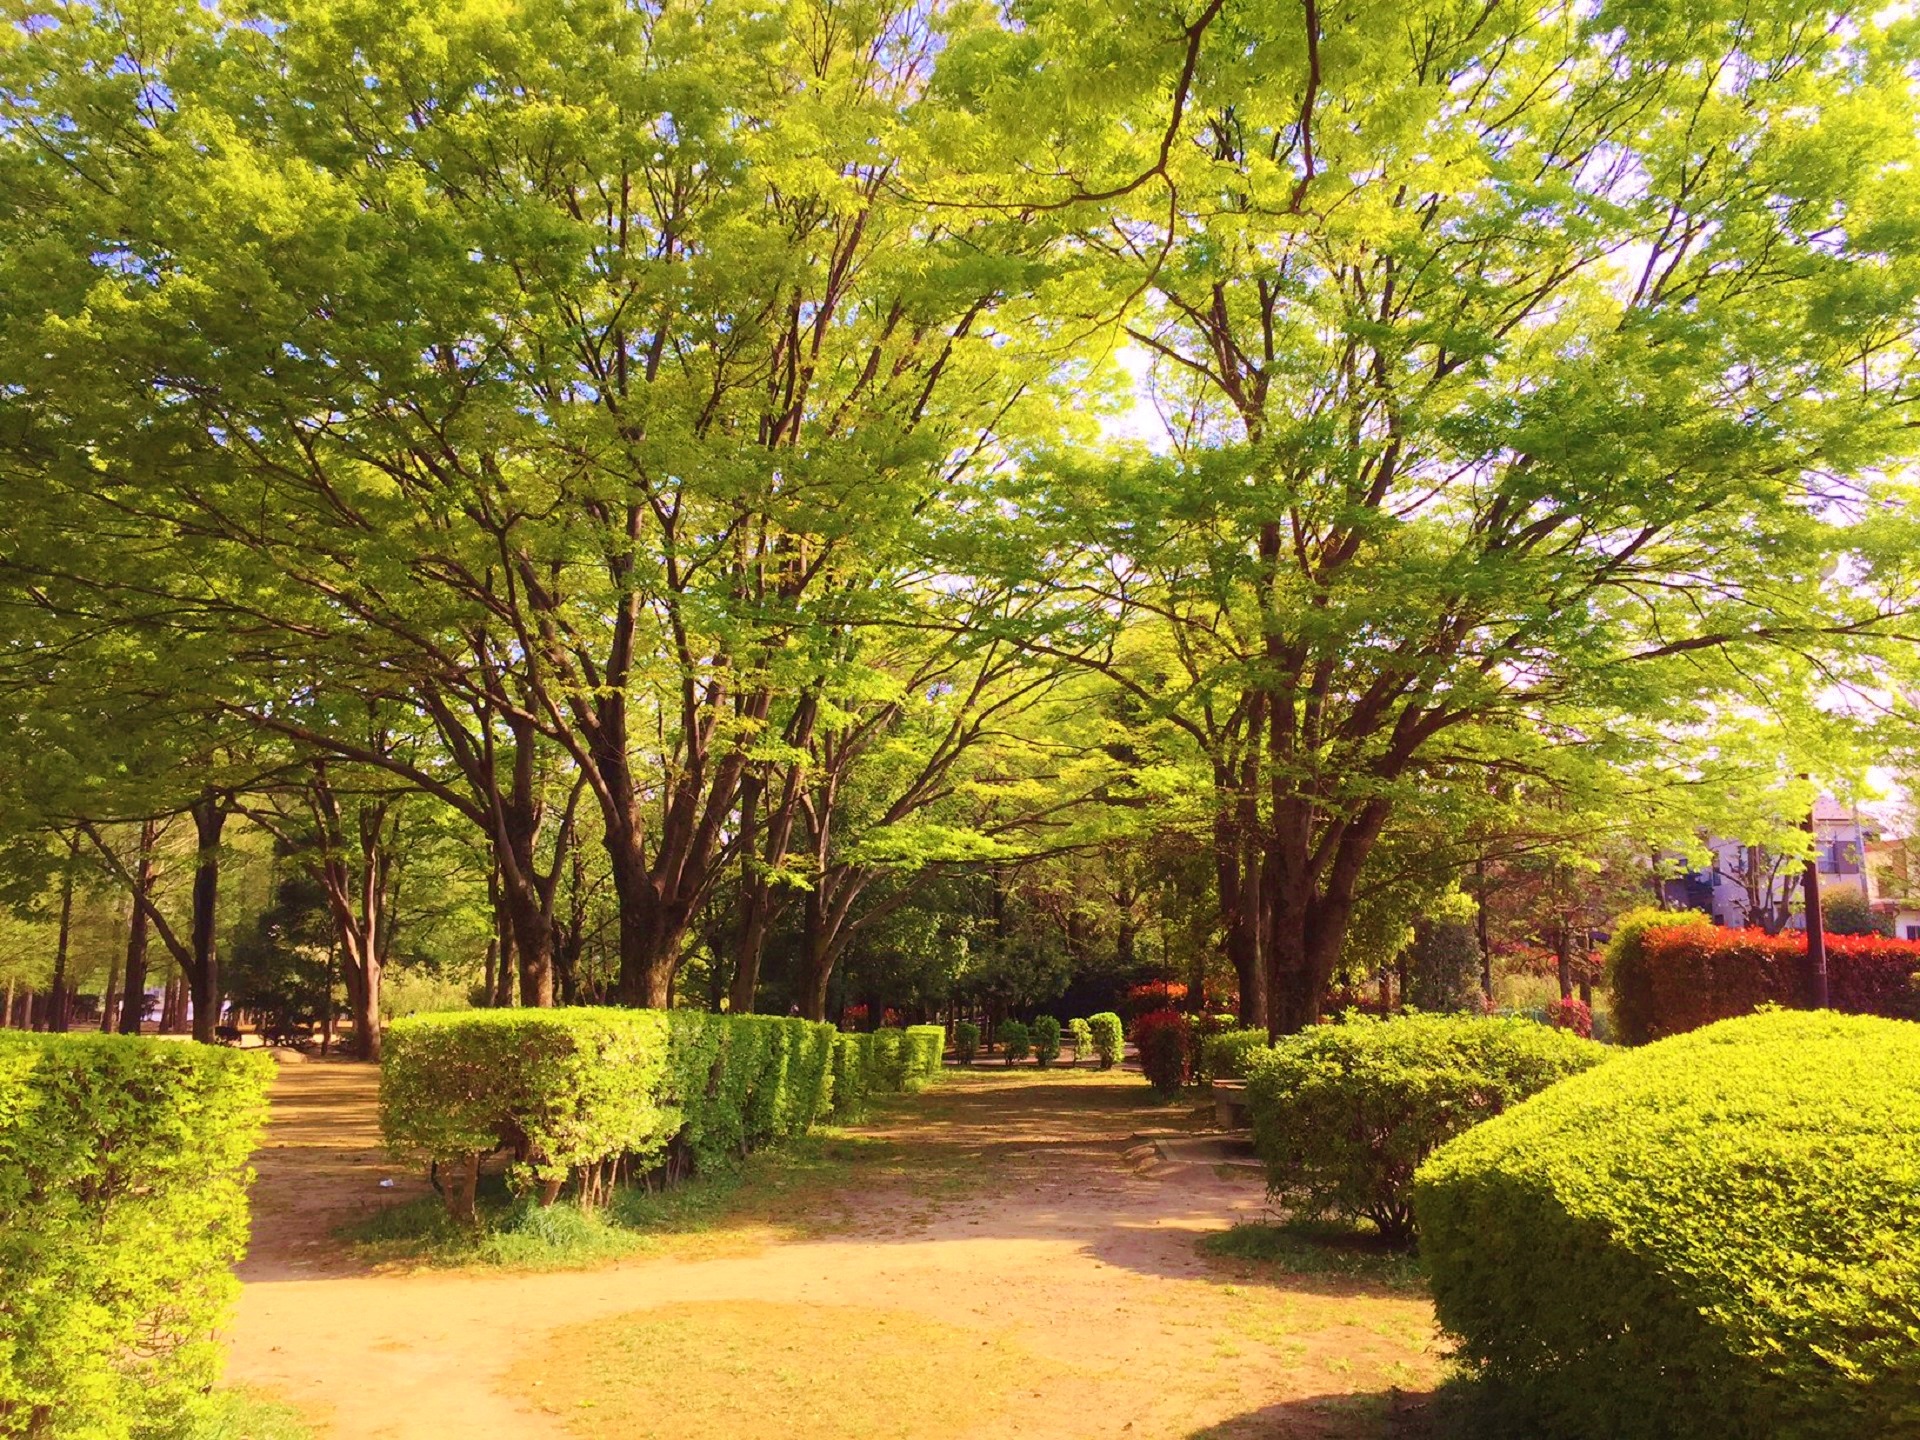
(1717, 1235)
(1443, 967)
(852, 1077)
(926, 1054)
(1228, 1056)
(1846, 912)
(1628, 977)
(966, 1041)
(563, 1089)
(1344, 1114)
(1080, 1036)
(1044, 1034)
(122, 1206)
(1109, 1038)
(571, 1091)
(1015, 1040)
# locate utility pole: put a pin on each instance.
(1816, 921)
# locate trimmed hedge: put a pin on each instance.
(1165, 1042)
(927, 1054)
(582, 1093)
(966, 1041)
(852, 1076)
(1080, 1036)
(1046, 1040)
(1629, 978)
(1688, 976)
(1716, 1235)
(1226, 1056)
(1014, 1040)
(123, 1203)
(1344, 1114)
(1109, 1038)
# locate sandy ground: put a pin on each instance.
(1044, 1237)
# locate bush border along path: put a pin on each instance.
(589, 1095)
(1716, 1235)
(123, 1205)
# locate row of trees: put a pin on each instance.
(671, 451)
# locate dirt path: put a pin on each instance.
(1033, 1232)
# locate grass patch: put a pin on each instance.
(761, 1370)
(248, 1415)
(797, 1189)
(1317, 1248)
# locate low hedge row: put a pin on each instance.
(582, 1093)
(1227, 1055)
(1676, 978)
(1344, 1114)
(1716, 1235)
(123, 1203)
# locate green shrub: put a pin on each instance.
(123, 1204)
(1201, 1029)
(926, 1054)
(1080, 1036)
(1044, 1034)
(563, 1090)
(1343, 1114)
(1443, 967)
(1717, 1235)
(580, 1093)
(1109, 1038)
(1628, 977)
(1227, 1056)
(852, 1077)
(966, 1041)
(1014, 1040)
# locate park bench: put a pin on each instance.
(1230, 1104)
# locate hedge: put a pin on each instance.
(1717, 1235)
(1684, 977)
(123, 1203)
(1014, 1040)
(1226, 1056)
(584, 1093)
(1629, 978)
(1109, 1038)
(927, 1046)
(852, 1076)
(1165, 1043)
(1343, 1114)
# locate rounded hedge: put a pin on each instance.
(1343, 1114)
(1717, 1235)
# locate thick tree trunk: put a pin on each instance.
(133, 985)
(651, 928)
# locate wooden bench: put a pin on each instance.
(1230, 1104)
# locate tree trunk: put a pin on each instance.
(57, 1016)
(203, 975)
(1563, 956)
(650, 928)
(133, 986)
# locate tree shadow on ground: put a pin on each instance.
(1459, 1409)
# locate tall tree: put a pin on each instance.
(1511, 356)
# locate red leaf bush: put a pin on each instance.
(1571, 1013)
(1687, 976)
(1165, 1041)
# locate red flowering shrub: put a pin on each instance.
(1571, 1013)
(1165, 1042)
(1155, 995)
(1689, 976)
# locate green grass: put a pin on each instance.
(1317, 1248)
(245, 1415)
(790, 1190)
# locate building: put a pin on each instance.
(1749, 885)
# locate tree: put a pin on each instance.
(1511, 359)
(579, 354)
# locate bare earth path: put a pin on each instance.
(1013, 1222)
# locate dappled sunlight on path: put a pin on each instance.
(1010, 1221)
